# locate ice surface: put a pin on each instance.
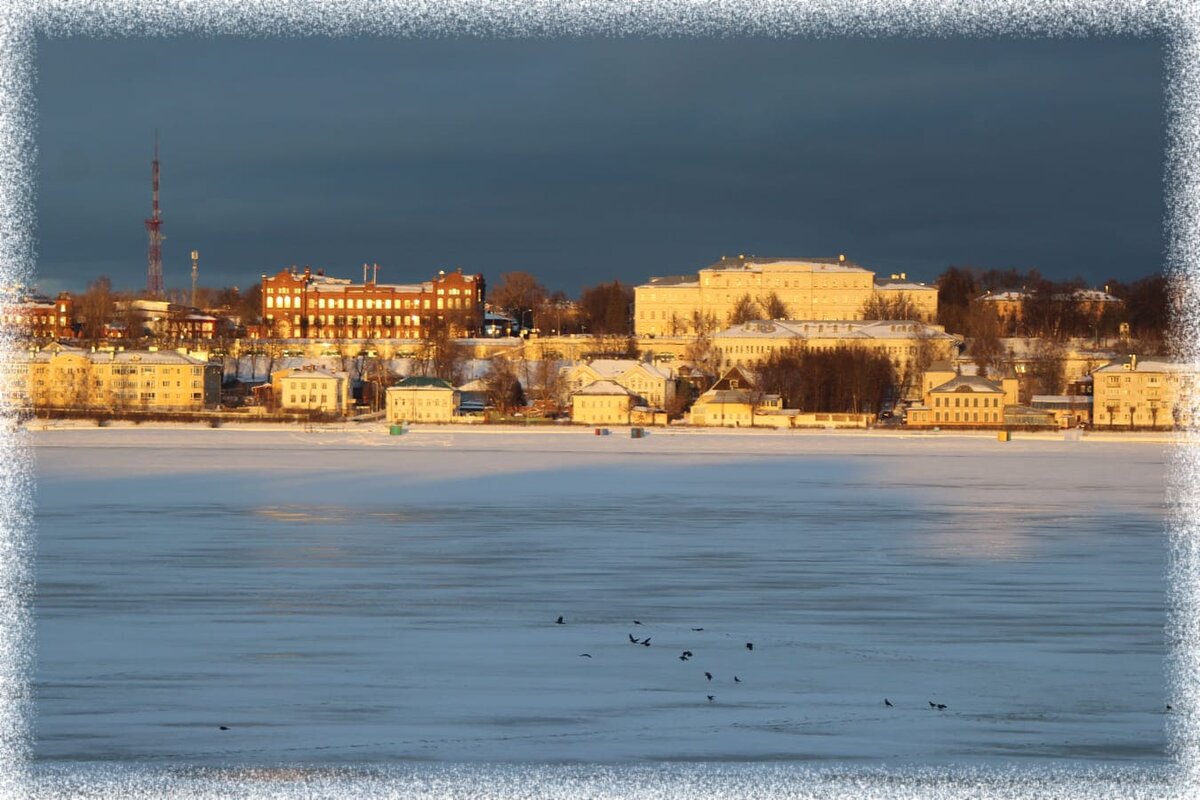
(350, 597)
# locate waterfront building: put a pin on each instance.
(907, 343)
(312, 305)
(729, 403)
(809, 288)
(655, 384)
(118, 380)
(422, 399)
(963, 401)
(603, 402)
(1137, 392)
(312, 389)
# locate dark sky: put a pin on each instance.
(592, 159)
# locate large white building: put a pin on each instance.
(809, 288)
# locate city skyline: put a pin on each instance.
(583, 161)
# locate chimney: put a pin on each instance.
(364, 273)
(375, 274)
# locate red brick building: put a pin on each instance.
(308, 305)
(40, 317)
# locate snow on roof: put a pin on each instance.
(903, 285)
(968, 383)
(144, 357)
(408, 288)
(1147, 365)
(672, 280)
(611, 368)
(477, 385)
(826, 328)
(310, 372)
(422, 382)
(604, 387)
(756, 264)
(1060, 400)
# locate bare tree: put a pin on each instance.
(702, 352)
(774, 307)
(519, 294)
(504, 390)
(744, 310)
(97, 307)
(986, 349)
(1046, 368)
(438, 355)
(704, 323)
(897, 306)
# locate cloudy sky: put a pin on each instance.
(591, 159)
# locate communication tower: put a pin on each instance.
(154, 273)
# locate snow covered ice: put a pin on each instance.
(350, 597)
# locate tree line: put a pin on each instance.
(1050, 309)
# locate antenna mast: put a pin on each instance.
(195, 274)
(154, 273)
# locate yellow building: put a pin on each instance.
(602, 402)
(901, 340)
(729, 403)
(814, 288)
(421, 399)
(656, 385)
(116, 380)
(312, 389)
(964, 401)
(1143, 393)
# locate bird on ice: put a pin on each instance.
(887, 702)
(749, 645)
(585, 655)
(736, 679)
(710, 697)
(708, 675)
(559, 621)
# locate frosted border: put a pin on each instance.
(1177, 21)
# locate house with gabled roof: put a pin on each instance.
(603, 402)
(964, 401)
(729, 403)
(655, 384)
(420, 398)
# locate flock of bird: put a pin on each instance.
(688, 654)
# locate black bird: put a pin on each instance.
(887, 702)
(710, 697)
(560, 621)
(688, 653)
(1169, 707)
(585, 655)
(224, 728)
(683, 658)
(749, 645)
(736, 679)
(633, 640)
(637, 622)
(697, 629)
(932, 704)
(708, 675)
(938, 706)
(646, 641)
(941, 706)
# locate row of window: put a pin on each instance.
(967, 402)
(966, 416)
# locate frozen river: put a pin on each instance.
(341, 597)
